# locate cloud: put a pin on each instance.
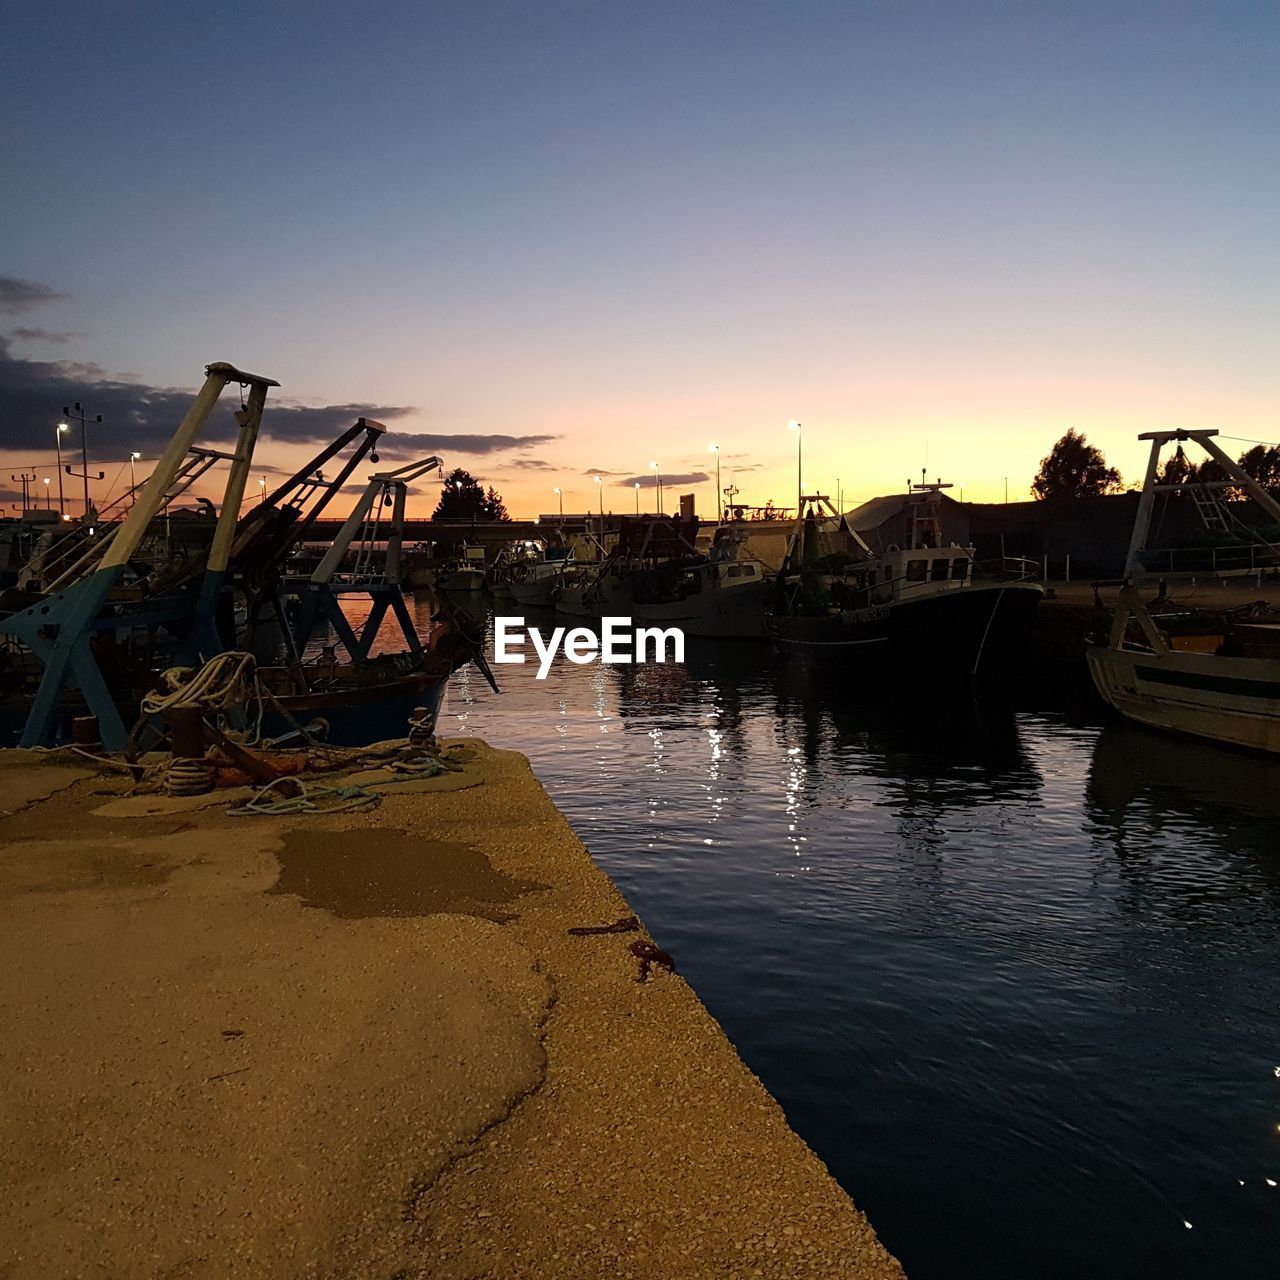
(602, 471)
(139, 416)
(534, 464)
(41, 335)
(469, 444)
(649, 480)
(22, 295)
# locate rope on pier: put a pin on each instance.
(291, 795)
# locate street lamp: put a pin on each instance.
(637, 497)
(658, 476)
(600, 486)
(57, 439)
(795, 426)
(83, 419)
(262, 489)
(133, 479)
(48, 501)
(560, 494)
(715, 448)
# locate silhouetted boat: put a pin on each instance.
(929, 606)
(1212, 676)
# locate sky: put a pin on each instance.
(555, 239)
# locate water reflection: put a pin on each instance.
(1191, 828)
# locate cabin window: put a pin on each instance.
(940, 568)
(959, 568)
(735, 571)
(917, 570)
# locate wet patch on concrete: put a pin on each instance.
(362, 873)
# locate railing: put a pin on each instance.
(1015, 568)
(1234, 560)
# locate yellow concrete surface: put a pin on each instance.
(365, 1045)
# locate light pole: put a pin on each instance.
(133, 479)
(637, 497)
(48, 500)
(262, 490)
(1006, 491)
(795, 426)
(658, 476)
(560, 494)
(600, 486)
(26, 489)
(57, 439)
(715, 448)
(83, 419)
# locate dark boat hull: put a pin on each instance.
(357, 717)
(969, 631)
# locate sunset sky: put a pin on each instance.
(587, 235)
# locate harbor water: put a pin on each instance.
(1013, 971)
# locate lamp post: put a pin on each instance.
(57, 439)
(715, 448)
(795, 426)
(48, 501)
(559, 492)
(133, 479)
(262, 489)
(658, 476)
(83, 419)
(637, 497)
(600, 486)
(26, 489)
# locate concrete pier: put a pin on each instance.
(367, 1045)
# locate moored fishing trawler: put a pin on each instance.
(464, 573)
(533, 579)
(96, 633)
(722, 593)
(927, 604)
(607, 588)
(1211, 675)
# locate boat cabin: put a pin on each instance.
(919, 571)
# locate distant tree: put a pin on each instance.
(462, 498)
(1075, 469)
(494, 507)
(1263, 464)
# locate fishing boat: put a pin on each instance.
(534, 578)
(1210, 675)
(106, 620)
(463, 574)
(721, 593)
(645, 543)
(595, 591)
(928, 605)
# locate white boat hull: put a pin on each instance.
(1225, 699)
(461, 580)
(729, 613)
(575, 602)
(535, 594)
(606, 598)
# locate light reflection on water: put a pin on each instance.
(1014, 976)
